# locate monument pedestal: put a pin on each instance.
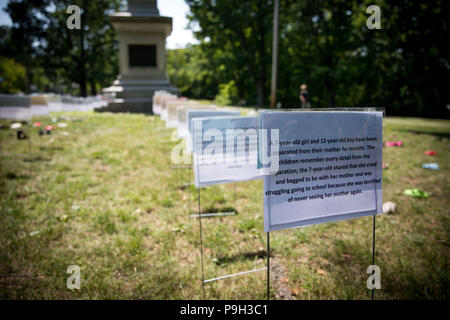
(142, 36)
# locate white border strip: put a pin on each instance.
(235, 275)
(203, 215)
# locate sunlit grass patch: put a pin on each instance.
(103, 196)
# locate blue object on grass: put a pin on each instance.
(432, 166)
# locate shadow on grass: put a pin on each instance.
(14, 176)
(184, 186)
(26, 254)
(37, 159)
(426, 276)
(439, 135)
(219, 210)
(51, 148)
(15, 278)
(261, 254)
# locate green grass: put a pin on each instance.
(100, 194)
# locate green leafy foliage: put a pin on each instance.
(56, 58)
(227, 94)
(327, 45)
(128, 223)
(12, 76)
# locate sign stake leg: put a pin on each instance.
(190, 192)
(30, 155)
(268, 265)
(201, 242)
(373, 246)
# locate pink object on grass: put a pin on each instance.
(394, 144)
(430, 153)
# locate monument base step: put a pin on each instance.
(134, 96)
(129, 106)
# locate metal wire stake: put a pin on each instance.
(1, 146)
(189, 196)
(201, 242)
(373, 247)
(189, 187)
(268, 265)
(30, 155)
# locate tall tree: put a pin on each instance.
(241, 28)
(40, 40)
(88, 55)
(28, 24)
(327, 45)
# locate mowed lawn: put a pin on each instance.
(101, 194)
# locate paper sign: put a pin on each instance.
(54, 103)
(183, 129)
(225, 150)
(39, 106)
(330, 167)
(172, 115)
(163, 105)
(157, 98)
(15, 107)
(202, 113)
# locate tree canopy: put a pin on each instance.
(55, 57)
(324, 43)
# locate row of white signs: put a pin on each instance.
(23, 107)
(317, 166)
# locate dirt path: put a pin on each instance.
(279, 280)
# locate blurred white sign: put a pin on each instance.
(225, 150)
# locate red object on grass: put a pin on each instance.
(430, 153)
(48, 128)
(37, 124)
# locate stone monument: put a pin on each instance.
(142, 36)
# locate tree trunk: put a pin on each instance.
(28, 80)
(83, 87)
(93, 88)
(83, 78)
(260, 89)
(332, 99)
(261, 64)
(329, 82)
(330, 89)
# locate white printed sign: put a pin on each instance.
(182, 117)
(15, 107)
(202, 113)
(330, 167)
(225, 150)
(157, 100)
(163, 106)
(172, 115)
(39, 106)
